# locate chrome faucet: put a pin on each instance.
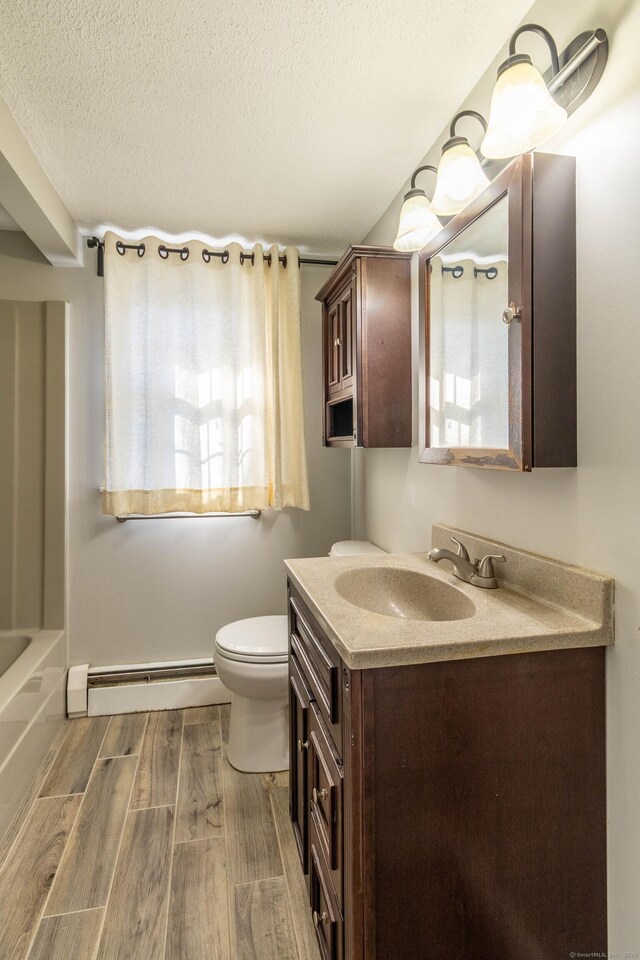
(480, 573)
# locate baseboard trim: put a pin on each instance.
(159, 695)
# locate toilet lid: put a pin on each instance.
(257, 638)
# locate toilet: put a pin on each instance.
(252, 660)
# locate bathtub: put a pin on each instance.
(33, 665)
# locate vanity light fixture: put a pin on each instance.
(460, 177)
(418, 224)
(523, 112)
(527, 109)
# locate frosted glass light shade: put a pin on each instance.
(417, 222)
(523, 112)
(460, 179)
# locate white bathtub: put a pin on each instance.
(33, 666)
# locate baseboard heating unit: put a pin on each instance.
(137, 687)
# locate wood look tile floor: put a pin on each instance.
(139, 841)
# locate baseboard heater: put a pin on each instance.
(138, 687)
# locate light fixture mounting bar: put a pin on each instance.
(578, 52)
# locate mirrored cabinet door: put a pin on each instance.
(497, 359)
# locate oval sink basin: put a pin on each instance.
(403, 594)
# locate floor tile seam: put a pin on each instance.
(27, 813)
(136, 753)
(244, 883)
(71, 913)
(178, 843)
(93, 766)
(172, 846)
(225, 812)
(42, 911)
(194, 723)
(297, 942)
(119, 851)
(96, 906)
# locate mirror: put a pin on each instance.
(468, 290)
(498, 343)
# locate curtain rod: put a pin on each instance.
(183, 252)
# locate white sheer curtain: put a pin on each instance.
(204, 400)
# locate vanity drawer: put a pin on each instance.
(319, 663)
(325, 797)
(327, 918)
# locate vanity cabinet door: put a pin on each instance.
(299, 705)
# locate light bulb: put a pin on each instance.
(417, 222)
(460, 178)
(523, 112)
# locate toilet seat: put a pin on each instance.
(255, 640)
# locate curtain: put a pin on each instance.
(204, 404)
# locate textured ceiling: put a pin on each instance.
(290, 121)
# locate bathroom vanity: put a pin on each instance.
(448, 756)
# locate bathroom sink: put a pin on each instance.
(403, 594)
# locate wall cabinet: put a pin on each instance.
(452, 810)
(367, 349)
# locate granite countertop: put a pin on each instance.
(571, 607)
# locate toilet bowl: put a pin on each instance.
(251, 659)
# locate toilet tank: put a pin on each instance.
(354, 548)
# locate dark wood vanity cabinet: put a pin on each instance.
(450, 810)
(367, 349)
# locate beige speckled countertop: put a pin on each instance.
(551, 606)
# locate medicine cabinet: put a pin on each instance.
(498, 343)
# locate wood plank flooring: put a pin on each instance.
(138, 841)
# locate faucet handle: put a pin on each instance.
(462, 550)
(485, 566)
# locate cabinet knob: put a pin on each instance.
(319, 918)
(511, 313)
(319, 794)
(337, 342)
(303, 746)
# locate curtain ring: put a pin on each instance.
(284, 261)
(247, 256)
(165, 251)
(123, 247)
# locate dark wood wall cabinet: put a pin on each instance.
(450, 810)
(367, 349)
(498, 347)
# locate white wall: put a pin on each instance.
(159, 589)
(589, 515)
